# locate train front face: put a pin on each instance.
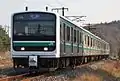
(33, 37)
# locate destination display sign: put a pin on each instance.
(34, 16)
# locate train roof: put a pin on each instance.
(83, 29)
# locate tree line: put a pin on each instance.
(4, 39)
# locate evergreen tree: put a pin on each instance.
(4, 40)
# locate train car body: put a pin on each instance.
(48, 40)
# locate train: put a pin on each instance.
(48, 40)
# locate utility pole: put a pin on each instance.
(76, 18)
(91, 28)
(63, 9)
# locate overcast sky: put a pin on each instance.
(95, 10)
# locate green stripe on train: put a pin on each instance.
(34, 44)
(80, 47)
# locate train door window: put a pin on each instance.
(77, 41)
(61, 31)
(64, 36)
(68, 33)
(98, 44)
(91, 42)
(71, 34)
(107, 47)
(80, 38)
(88, 41)
(72, 39)
(74, 36)
(95, 43)
(64, 32)
(85, 39)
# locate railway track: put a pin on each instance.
(34, 77)
(14, 78)
(21, 76)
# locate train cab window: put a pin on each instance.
(74, 36)
(68, 33)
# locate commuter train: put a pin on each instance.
(48, 40)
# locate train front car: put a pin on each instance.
(34, 40)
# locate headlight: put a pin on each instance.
(45, 48)
(22, 48)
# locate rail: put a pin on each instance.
(14, 78)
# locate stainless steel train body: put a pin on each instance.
(47, 40)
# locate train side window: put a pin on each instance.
(77, 41)
(64, 32)
(71, 34)
(64, 36)
(80, 37)
(98, 44)
(85, 39)
(88, 41)
(61, 31)
(95, 44)
(108, 47)
(91, 42)
(68, 33)
(72, 39)
(74, 36)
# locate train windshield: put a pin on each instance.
(34, 27)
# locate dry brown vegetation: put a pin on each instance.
(88, 77)
(5, 60)
(112, 67)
